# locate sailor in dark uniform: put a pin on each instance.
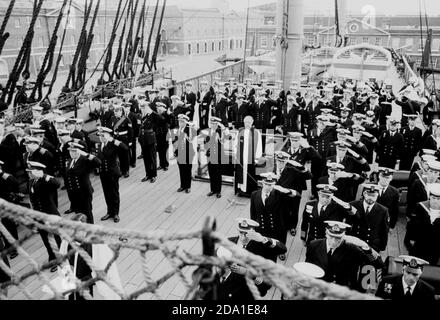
(110, 172)
(262, 108)
(388, 195)
(163, 98)
(205, 97)
(184, 151)
(345, 120)
(327, 207)
(220, 107)
(148, 140)
(423, 232)
(390, 146)
(351, 160)
(78, 179)
(370, 220)
(75, 134)
(412, 138)
(79, 126)
(407, 286)
(136, 121)
(346, 182)
(189, 98)
(105, 114)
(36, 153)
(341, 256)
(43, 194)
(321, 136)
(214, 145)
(163, 121)
(232, 285)
(123, 131)
(243, 110)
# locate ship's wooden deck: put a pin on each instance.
(143, 209)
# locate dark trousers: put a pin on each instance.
(150, 160)
(203, 119)
(132, 151)
(12, 228)
(81, 202)
(406, 162)
(162, 150)
(124, 158)
(185, 172)
(387, 162)
(45, 237)
(263, 139)
(215, 177)
(110, 186)
(291, 214)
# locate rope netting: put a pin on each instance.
(196, 272)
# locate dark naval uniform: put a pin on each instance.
(184, 152)
(371, 227)
(205, 99)
(110, 172)
(342, 266)
(123, 131)
(220, 110)
(148, 142)
(243, 111)
(216, 155)
(412, 140)
(425, 232)
(390, 148)
(42, 156)
(262, 118)
(313, 226)
(43, 194)
(390, 199)
(79, 185)
(190, 99)
(8, 187)
(322, 141)
(391, 287)
(234, 287)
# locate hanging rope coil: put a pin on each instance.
(137, 40)
(118, 58)
(158, 38)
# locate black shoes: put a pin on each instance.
(180, 190)
(69, 211)
(293, 232)
(133, 165)
(140, 157)
(210, 194)
(127, 175)
(282, 257)
(218, 195)
(153, 180)
(188, 191)
(106, 217)
(54, 268)
(116, 219)
(145, 179)
(165, 169)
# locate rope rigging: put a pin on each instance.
(137, 40)
(48, 59)
(147, 53)
(158, 37)
(108, 57)
(119, 53)
(5, 36)
(82, 65)
(60, 56)
(81, 43)
(22, 61)
(339, 39)
(129, 42)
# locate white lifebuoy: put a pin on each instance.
(354, 27)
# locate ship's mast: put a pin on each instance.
(289, 44)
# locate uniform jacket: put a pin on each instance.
(322, 142)
(109, 157)
(389, 148)
(8, 186)
(234, 287)
(243, 111)
(390, 199)
(351, 164)
(373, 229)
(313, 226)
(417, 192)
(344, 264)
(221, 110)
(78, 177)
(42, 156)
(412, 141)
(391, 287)
(214, 146)
(347, 187)
(123, 129)
(262, 113)
(43, 194)
(425, 234)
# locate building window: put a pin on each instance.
(198, 48)
(17, 22)
(212, 47)
(422, 44)
(72, 39)
(220, 46)
(206, 47)
(395, 43)
(418, 61)
(241, 43)
(189, 48)
(377, 41)
(38, 23)
(352, 41)
(41, 43)
(435, 45)
(365, 40)
(263, 42)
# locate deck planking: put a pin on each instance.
(143, 209)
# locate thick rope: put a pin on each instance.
(118, 58)
(147, 53)
(137, 40)
(48, 58)
(5, 36)
(158, 38)
(129, 40)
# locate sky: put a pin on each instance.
(325, 6)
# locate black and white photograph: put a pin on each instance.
(222, 153)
